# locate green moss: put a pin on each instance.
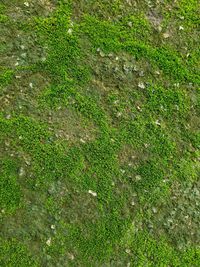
(6, 77)
(10, 193)
(14, 254)
(152, 125)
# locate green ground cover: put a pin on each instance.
(99, 133)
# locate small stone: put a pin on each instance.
(130, 24)
(128, 251)
(154, 210)
(17, 64)
(117, 58)
(110, 54)
(82, 141)
(166, 35)
(119, 114)
(94, 194)
(23, 55)
(102, 54)
(8, 116)
(26, 4)
(53, 227)
(98, 49)
(21, 172)
(71, 256)
(18, 77)
(141, 85)
(181, 28)
(141, 74)
(157, 123)
(70, 31)
(22, 47)
(157, 72)
(139, 108)
(133, 203)
(48, 242)
(138, 177)
(31, 85)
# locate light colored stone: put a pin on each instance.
(26, 4)
(166, 35)
(70, 31)
(94, 194)
(141, 85)
(48, 242)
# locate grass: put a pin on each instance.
(99, 134)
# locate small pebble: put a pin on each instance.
(130, 24)
(82, 141)
(166, 35)
(181, 28)
(21, 172)
(48, 242)
(139, 108)
(26, 4)
(154, 210)
(133, 203)
(128, 251)
(157, 122)
(102, 54)
(70, 31)
(31, 85)
(8, 116)
(138, 177)
(23, 55)
(94, 194)
(71, 256)
(53, 227)
(141, 85)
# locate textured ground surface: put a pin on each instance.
(99, 133)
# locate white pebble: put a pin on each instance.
(141, 85)
(70, 31)
(26, 4)
(94, 194)
(166, 35)
(119, 114)
(157, 122)
(48, 242)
